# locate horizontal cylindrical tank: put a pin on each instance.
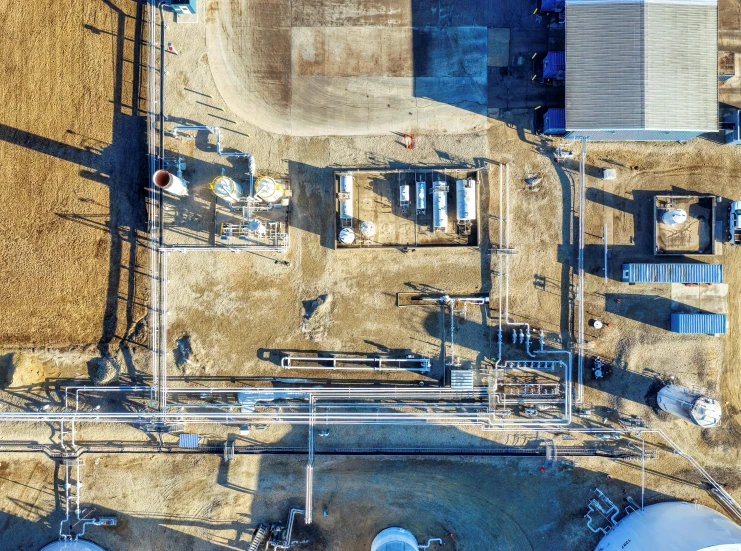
(439, 206)
(421, 196)
(465, 198)
(404, 195)
(346, 188)
(72, 545)
(347, 236)
(226, 188)
(675, 526)
(687, 404)
(394, 539)
(169, 183)
(269, 190)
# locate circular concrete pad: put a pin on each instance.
(349, 68)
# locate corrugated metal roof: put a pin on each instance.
(554, 121)
(554, 65)
(706, 324)
(673, 273)
(641, 65)
(637, 135)
(188, 440)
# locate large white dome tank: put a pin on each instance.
(72, 545)
(675, 526)
(395, 539)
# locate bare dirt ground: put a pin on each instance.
(497, 503)
(72, 151)
(72, 262)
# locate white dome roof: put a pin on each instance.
(72, 545)
(675, 525)
(395, 539)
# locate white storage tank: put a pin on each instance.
(439, 206)
(465, 197)
(72, 545)
(673, 526)
(690, 405)
(674, 217)
(169, 183)
(395, 539)
(269, 190)
(226, 189)
(347, 236)
(346, 189)
(367, 229)
(421, 197)
(404, 196)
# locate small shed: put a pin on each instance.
(554, 122)
(554, 66)
(673, 273)
(702, 324)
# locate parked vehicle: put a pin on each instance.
(734, 223)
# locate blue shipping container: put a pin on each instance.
(673, 273)
(554, 65)
(704, 324)
(552, 5)
(554, 122)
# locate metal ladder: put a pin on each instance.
(259, 537)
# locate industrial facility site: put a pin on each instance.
(370, 275)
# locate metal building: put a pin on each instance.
(673, 273)
(675, 526)
(702, 324)
(641, 69)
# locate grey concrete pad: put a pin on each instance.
(700, 298)
(324, 77)
(498, 40)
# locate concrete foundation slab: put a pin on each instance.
(333, 70)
